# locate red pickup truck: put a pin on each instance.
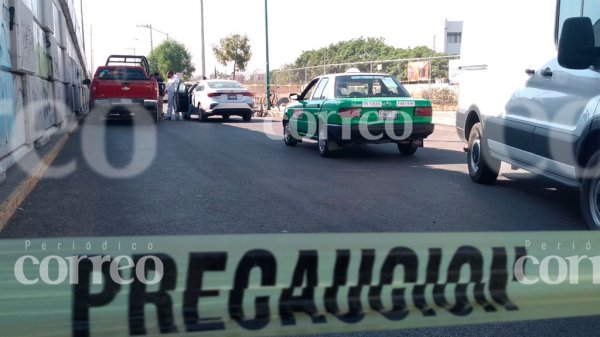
(123, 89)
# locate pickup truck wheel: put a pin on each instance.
(590, 193)
(483, 168)
(407, 149)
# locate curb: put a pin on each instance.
(9, 207)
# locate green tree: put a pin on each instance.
(171, 55)
(234, 48)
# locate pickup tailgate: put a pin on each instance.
(112, 82)
(125, 89)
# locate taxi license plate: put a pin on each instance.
(387, 114)
(232, 97)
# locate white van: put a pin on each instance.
(520, 105)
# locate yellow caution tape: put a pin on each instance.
(275, 285)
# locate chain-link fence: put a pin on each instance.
(423, 78)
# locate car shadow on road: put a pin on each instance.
(382, 153)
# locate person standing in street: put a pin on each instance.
(172, 85)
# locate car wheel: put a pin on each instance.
(225, 118)
(324, 143)
(407, 149)
(590, 193)
(288, 138)
(186, 116)
(203, 117)
(247, 117)
(483, 168)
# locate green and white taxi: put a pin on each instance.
(357, 108)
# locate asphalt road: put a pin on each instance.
(216, 178)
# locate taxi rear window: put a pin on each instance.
(368, 86)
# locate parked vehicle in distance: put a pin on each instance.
(534, 105)
(340, 109)
(223, 98)
(122, 88)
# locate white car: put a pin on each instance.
(221, 98)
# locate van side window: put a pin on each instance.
(591, 9)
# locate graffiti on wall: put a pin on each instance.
(7, 104)
(5, 36)
(27, 39)
(7, 111)
(42, 115)
(41, 45)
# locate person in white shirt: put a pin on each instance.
(172, 85)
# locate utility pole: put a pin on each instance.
(92, 48)
(202, 39)
(267, 75)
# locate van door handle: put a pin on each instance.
(547, 72)
(530, 72)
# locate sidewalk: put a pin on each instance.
(18, 183)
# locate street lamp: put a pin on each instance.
(202, 38)
(268, 76)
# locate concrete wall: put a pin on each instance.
(41, 69)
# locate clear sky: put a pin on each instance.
(294, 26)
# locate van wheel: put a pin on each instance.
(483, 168)
(590, 193)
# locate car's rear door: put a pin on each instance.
(182, 98)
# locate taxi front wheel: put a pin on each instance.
(288, 138)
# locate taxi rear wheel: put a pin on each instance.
(407, 149)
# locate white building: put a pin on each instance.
(453, 37)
